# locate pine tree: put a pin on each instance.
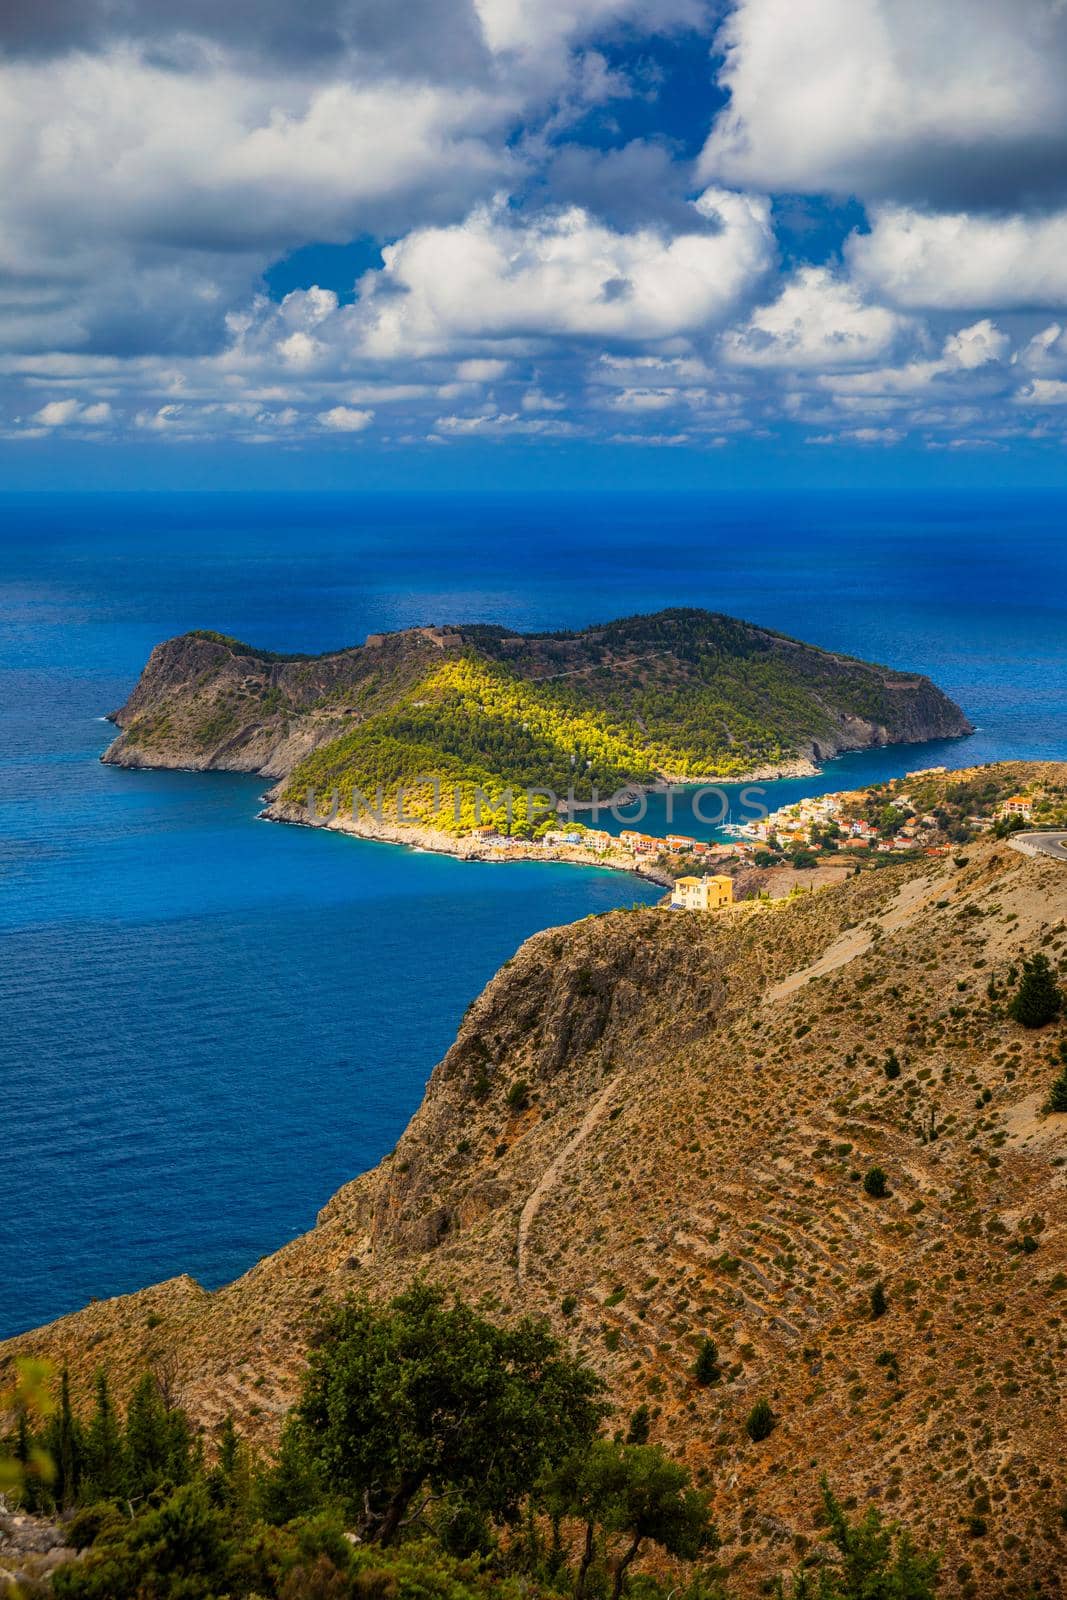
(1038, 999)
(706, 1366)
(1057, 1100)
(105, 1455)
(147, 1438)
(291, 1487)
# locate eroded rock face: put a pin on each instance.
(546, 1037)
(31, 1548)
(204, 702)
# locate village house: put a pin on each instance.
(679, 842)
(1016, 805)
(710, 893)
(597, 839)
(642, 844)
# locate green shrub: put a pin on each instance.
(518, 1096)
(876, 1184)
(1057, 1100)
(760, 1422)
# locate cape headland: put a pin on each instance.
(397, 738)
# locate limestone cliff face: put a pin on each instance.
(205, 702)
(548, 1039)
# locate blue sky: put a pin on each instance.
(468, 243)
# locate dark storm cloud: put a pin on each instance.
(639, 185)
(426, 38)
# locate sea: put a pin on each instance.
(208, 1023)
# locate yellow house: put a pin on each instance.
(710, 893)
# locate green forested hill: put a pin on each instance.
(681, 693)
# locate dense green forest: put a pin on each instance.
(712, 704)
(432, 1455)
(472, 724)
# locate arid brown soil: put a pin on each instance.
(705, 1095)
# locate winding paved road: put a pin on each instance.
(1040, 844)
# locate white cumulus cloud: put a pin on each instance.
(60, 413)
(346, 419)
(956, 101)
(957, 261)
(564, 275)
(818, 320)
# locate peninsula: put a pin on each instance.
(678, 695)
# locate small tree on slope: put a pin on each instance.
(1057, 1100)
(1038, 999)
(634, 1490)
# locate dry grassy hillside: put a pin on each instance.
(654, 1126)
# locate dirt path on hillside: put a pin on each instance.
(857, 941)
(551, 1174)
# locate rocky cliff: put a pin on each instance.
(656, 1126)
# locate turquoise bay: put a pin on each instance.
(209, 1023)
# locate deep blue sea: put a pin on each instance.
(208, 1023)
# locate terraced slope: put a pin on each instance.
(678, 694)
(704, 1098)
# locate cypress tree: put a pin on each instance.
(875, 1184)
(228, 1445)
(706, 1366)
(23, 1452)
(879, 1303)
(760, 1421)
(181, 1466)
(1038, 999)
(1057, 1100)
(105, 1455)
(147, 1438)
(65, 1444)
(638, 1431)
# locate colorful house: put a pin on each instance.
(642, 844)
(597, 839)
(710, 893)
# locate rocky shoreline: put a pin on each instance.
(435, 841)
